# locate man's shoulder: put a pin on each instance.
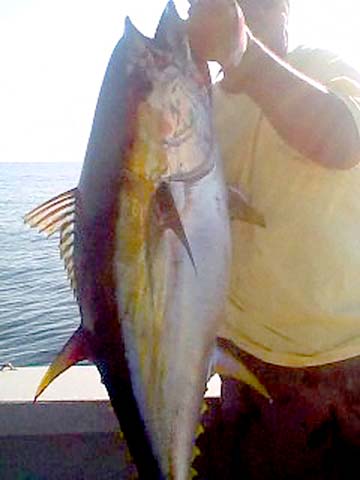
(321, 64)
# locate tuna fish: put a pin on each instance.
(146, 245)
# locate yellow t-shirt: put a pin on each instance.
(294, 296)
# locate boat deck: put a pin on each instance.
(70, 433)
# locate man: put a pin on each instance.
(289, 134)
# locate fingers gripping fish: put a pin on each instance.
(145, 242)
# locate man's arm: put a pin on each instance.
(305, 114)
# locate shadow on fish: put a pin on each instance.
(146, 244)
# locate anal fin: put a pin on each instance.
(75, 350)
(225, 362)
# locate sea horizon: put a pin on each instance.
(38, 312)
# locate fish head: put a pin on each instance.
(175, 112)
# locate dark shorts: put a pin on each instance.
(310, 431)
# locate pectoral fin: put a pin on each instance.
(75, 350)
(240, 209)
(225, 362)
(163, 215)
(169, 217)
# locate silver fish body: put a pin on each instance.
(146, 242)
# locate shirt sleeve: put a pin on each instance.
(349, 91)
(334, 73)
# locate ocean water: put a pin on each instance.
(37, 309)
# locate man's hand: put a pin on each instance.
(217, 31)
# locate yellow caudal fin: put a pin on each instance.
(240, 208)
(226, 362)
(75, 350)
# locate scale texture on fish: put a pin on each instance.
(145, 240)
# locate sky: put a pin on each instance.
(54, 54)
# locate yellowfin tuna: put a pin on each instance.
(145, 240)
